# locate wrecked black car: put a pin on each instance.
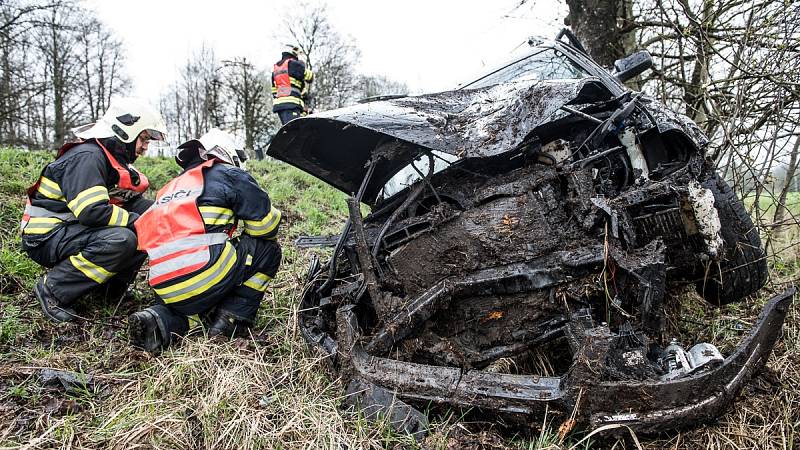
(525, 231)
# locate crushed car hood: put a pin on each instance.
(336, 145)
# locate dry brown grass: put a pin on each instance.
(271, 392)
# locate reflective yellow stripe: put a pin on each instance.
(259, 281)
(50, 183)
(308, 75)
(217, 221)
(41, 225)
(288, 99)
(296, 82)
(90, 269)
(264, 226)
(119, 217)
(201, 282)
(215, 209)
(88, 197)
(50, 189)
(216, 215)
(114, 216)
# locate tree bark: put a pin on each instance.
(603, 27)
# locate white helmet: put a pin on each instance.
(216, 143)
(125, 119)
(291, 49)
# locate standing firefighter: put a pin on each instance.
(290, 78)
(195, 267)
(80, 213)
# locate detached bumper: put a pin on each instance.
(647, 407)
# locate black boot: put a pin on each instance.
(51, 307)
(228, 324)
(146, 331)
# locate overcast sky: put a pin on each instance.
(430, 45)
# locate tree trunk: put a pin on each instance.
(602, 27)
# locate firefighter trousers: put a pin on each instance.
(239, 294)
(287, 115)
(81, 258)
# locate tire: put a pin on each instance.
(742, 270)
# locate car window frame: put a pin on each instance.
(537, 50)
(584, 62)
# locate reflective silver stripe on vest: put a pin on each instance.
(206, 280)
(202, 256)
(198, 240)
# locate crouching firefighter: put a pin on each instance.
(196, 269)
(78, 221)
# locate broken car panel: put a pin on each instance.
(524, 234)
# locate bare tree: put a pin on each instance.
(332, 57)
(731, 66)
(194, 102)
(60, 67)
(231, 94)
(248, 90)
(102, 59)
(373, 85)
(57, 41)
(19, 85)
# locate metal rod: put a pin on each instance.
(581, 113)
(346, 230)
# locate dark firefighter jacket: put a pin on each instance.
(229, 197)
(289, 79)
(83, 185)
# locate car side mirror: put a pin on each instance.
(632, 65)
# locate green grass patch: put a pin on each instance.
(20, 169)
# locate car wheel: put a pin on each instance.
(742, 270)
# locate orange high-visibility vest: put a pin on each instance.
(124, 185)
(283, 81)
(172, 231)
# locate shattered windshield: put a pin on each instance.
(547, 64)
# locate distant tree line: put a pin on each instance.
(60, 66)
(235, 93)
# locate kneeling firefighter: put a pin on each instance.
(195, 266)
(79, 217)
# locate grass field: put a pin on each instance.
(269, 391)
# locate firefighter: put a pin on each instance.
(290, 79)
(195, 267)
(79, 217)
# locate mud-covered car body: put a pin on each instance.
(524, 232)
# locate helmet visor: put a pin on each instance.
(155, 134)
